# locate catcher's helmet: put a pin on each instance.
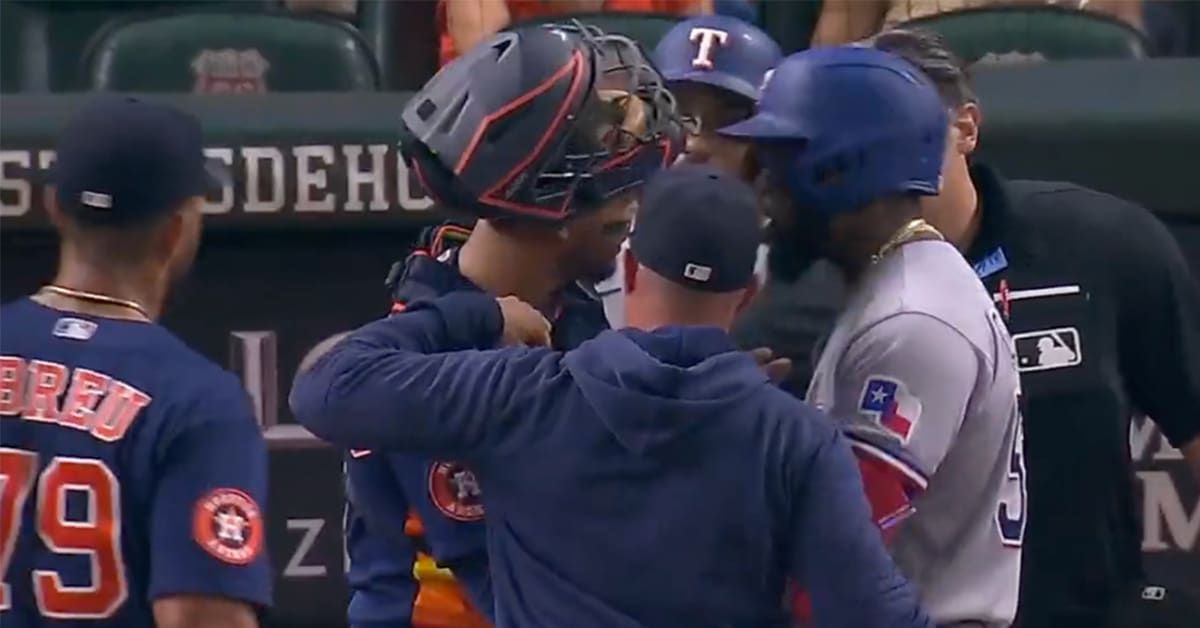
(540, 122)
(717, 50)
(843, 126)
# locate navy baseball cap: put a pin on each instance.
(121, 160)
(699, 227)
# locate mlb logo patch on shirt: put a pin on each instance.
(887, 402)
(1047, 349)
(74, 329)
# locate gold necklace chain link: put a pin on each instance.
(95, 297)
(912, 230)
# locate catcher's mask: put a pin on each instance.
(541, 122)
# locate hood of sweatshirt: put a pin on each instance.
(650, 388)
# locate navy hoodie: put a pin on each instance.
(642, 479)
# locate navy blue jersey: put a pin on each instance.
(132, 469)
(405, 506)
(642, 479)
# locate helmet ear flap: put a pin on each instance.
(437, 180)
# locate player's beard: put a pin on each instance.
(795, 243)
(598, 273)
(599, 261)
(790, 256)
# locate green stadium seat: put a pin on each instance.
(407, 55)
(206, 51)
(42, 41)
(1048, 32)
(644, 28)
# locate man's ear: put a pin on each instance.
(50, 202)
(168, 235)
(966, 123)
(629, 268)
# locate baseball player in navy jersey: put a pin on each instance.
(133, 474)
(919, 366)
(714, 65)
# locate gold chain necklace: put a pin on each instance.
(913, 229)
(95, 298)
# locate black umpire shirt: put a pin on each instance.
(1105, 316)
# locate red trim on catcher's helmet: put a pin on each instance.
(575, 65)
(504, 110)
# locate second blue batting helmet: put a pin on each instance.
(717, 50)
(843, 126)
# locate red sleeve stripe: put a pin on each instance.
(909, 471)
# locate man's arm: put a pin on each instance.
(901, 394)
(382, 387)
(844, 21)
(832, 529)
(208, 554)
(195, 611)
(1128, 11)
(472, 21)
(1159, 328)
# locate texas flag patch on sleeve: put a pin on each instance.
(886, 401)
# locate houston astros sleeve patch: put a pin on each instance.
(228, 524)
(455, 492)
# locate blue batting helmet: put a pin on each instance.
(843, 126)
(717, 50)
(540, 122)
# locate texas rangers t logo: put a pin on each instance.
(705, 38)
(887, 401)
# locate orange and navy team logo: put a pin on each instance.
(455, 492)
(228, 524)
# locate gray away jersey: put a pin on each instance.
(921, 369)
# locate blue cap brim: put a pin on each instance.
(766, 126)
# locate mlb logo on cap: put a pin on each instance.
(96, 200)
(696, 272)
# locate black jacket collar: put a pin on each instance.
(1001, 224)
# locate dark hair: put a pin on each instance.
(928, 51)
